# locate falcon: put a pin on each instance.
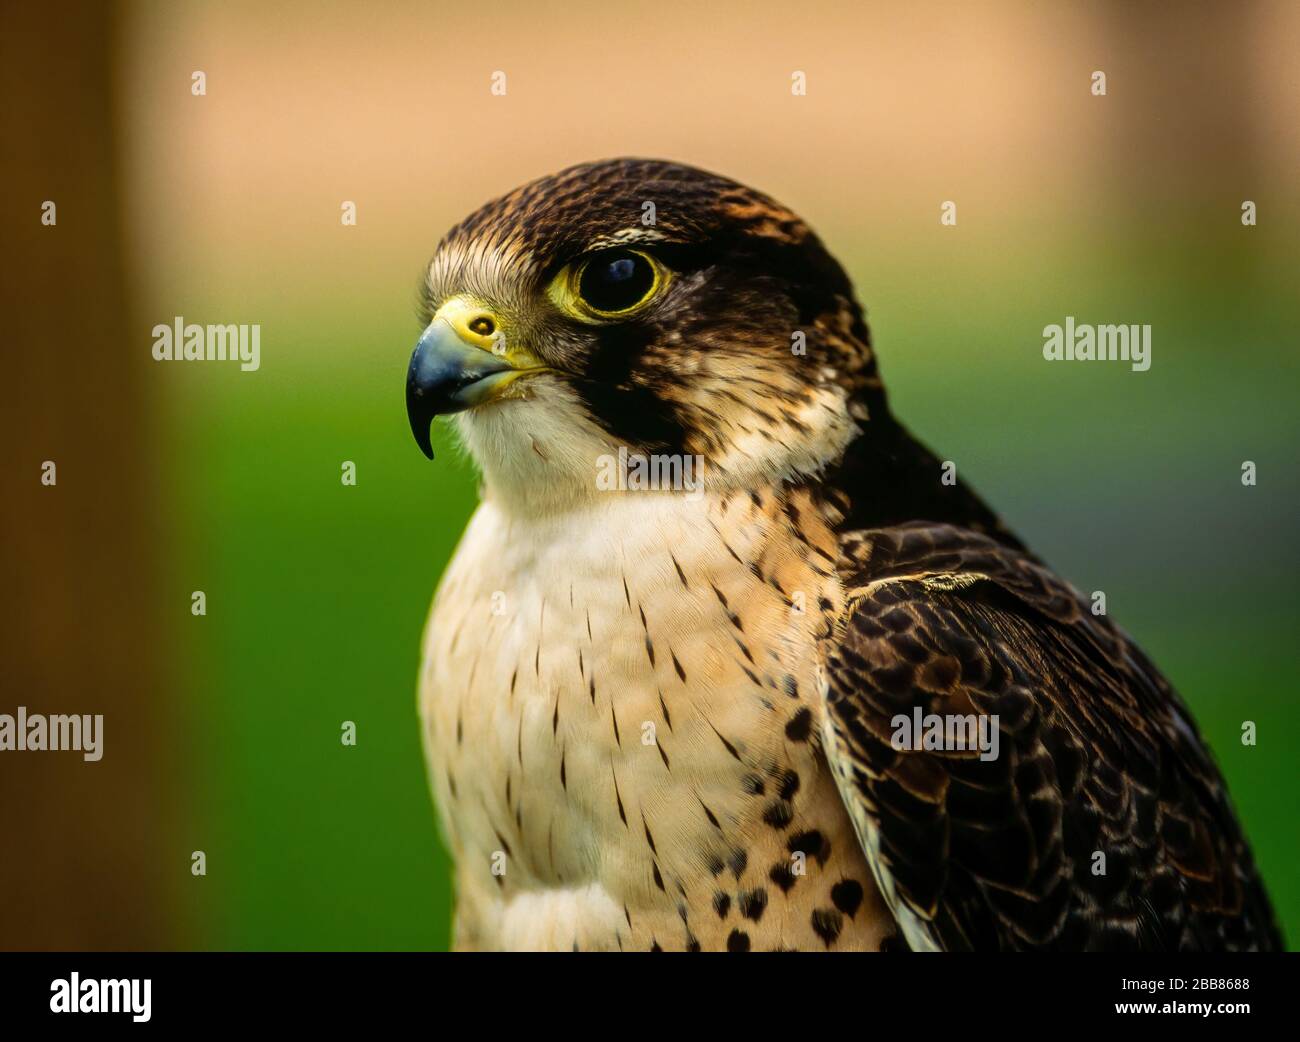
(677, 714)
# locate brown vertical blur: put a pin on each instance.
(84, 861)
(1192, 103)
(1192, 106)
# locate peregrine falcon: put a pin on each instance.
(676, 713)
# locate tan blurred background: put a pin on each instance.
(907, 105)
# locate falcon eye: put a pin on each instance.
(608, 285)
(615, 282)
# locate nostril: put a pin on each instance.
(482, 326)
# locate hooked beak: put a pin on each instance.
(458, 363)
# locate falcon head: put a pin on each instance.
(639, 305)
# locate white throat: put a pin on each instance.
(542, 454)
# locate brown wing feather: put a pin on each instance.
(1097, 754)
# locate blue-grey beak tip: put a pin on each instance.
(447, 375)
(420, 408)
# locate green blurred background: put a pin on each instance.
(1122, 209)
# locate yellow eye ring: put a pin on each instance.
(609, 285)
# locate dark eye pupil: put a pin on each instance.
(616, 281)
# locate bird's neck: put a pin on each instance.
(887, 477)
(539, 459)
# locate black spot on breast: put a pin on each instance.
(827, 923)
(789, 785)
(680, 574)
(659, 879)
(753, 903)
(618, 797)
(778, 814)
(800, 726)
(726, 744)
(846, 895)
(738, 862)
(754, 785)
(892, 943)
(664, 706)
(721, 904)
(812, 843)
(782, 876)
(715, 865)
(738, 941)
